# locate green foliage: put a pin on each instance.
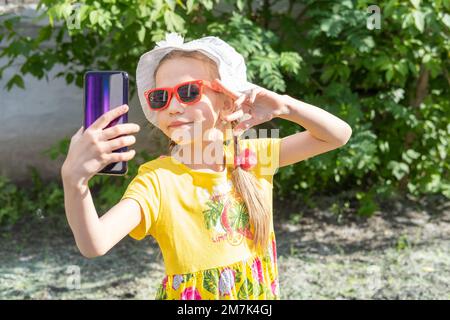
(39, 201)
(371, 79)
(390, 84)
(403, 243)
(10, 197)
(45, 200)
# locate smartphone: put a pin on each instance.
(104, 91)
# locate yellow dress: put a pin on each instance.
(202, 227)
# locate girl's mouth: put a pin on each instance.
(178, 124)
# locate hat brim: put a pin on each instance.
(150, 60)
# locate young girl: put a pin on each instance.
(208, 203)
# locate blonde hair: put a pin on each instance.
(246, 185)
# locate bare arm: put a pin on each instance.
(95, 236)
(89, 152)
(324, 132)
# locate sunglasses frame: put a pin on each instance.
(174, 91)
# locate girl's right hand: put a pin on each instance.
(92, 149)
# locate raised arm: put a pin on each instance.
(95, 236)
(89, 152)
(324, 132)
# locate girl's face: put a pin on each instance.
(201, 121)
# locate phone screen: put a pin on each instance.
(104, 91)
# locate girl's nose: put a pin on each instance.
(175, 106)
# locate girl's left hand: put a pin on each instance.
(259, 105)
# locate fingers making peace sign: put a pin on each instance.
(253, 107)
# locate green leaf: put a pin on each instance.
(246, 290)
(56, 11)
(407, 20)
(83, 13)
(446, 190)
(16, 80)
(446, 20)
(389, 74)
(212, 215)
(415, 3)
(367, 205)
(402, 67)
(238, 276)
(69, 78)
(208, 4)
(171, 4)
(419, 20)
(210, 280)
(173, 21)
(66, 10)
(399, 169)
(44, 34)
(189, 6)
(93, 17)
(328, 73)
(141, 34)
(447, 4)
(290, 61)
(10, 23)
(240, 5)
(413, 154)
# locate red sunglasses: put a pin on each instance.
(188, 92)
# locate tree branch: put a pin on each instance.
(421, 86)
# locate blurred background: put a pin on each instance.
(369, 220)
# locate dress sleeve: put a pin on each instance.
(145, 190)
(268, 155)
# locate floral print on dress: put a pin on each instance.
(226, 281)
(190, 293)
(225, 216)
(176, 282)
(257, 270)
(252, 278)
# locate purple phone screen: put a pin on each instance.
(103, 91)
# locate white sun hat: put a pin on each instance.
(230, 63)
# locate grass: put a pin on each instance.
(402, 252)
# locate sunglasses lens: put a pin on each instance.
(189, 92)
(158, 99)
